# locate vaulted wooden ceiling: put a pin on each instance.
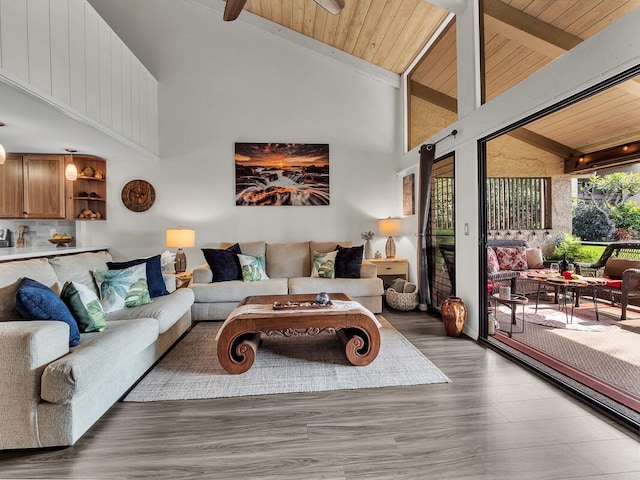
(521, 36)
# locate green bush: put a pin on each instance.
(589, 223)
(571, 246)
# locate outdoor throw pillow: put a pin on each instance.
(348, 261)
(492, 261)
(123, 288)
(535, 259)
(155, 280)
(224, 263)
(85, 307)
(252, 268)
(324, 264)
(35, 301)
(512, 258)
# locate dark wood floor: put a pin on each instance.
(494, 421)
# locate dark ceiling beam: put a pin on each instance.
(606, 158)
(449, 103)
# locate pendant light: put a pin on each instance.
(71, 172)
(3, 153)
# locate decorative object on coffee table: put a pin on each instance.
(454, 315)
(389, 227)
(181, 238)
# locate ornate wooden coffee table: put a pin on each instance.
(239, 337)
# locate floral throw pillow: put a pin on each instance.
(324, 264)
(512, 258)
(252, 268)
(124, 288)
(492, 261)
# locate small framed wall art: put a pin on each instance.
(408, 195)
(276, 174)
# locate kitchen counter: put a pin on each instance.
(13, 253)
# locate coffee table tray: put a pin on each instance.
(291, 305)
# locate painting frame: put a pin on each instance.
(282, 174)
(409, 195)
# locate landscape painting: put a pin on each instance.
(277, 174)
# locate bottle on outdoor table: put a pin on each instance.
(563, 263)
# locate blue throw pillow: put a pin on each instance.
(224, 263)
(35, 301)
(348, 261)
(155, 280)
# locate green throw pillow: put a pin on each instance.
(252, 268)
(85, 307)
(123, 288)
(324, 264)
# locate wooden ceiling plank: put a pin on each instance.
(556, 10)
(355, 25)
(297, 17)
(411, 28)
(287, 13)
(330, 28)
(577, 13)
(535, 63)
(265, 6)
(368, 27)
(253, 6)
(615, 14)
(534, 8)
(414, 45)
(320, 23)
(445, 46)
(386, 18)
(343, 24)
(401, 18)
(276, 12)
(309, 18)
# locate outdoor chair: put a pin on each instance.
(619, 265)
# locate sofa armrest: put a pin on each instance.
(26, 348)
(368, 270)
(202, 274)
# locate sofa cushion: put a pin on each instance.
(85, 307)
(512, 258)
(93, 360)
(155, 280)
(11, 273)
(349, 261)
(324, 264)
(493, 266)
(78, 268)
(326, 246)
(123, 288)
(248, 248)
(286, 260)
(166, 309)
(354, 287)
(224, 263)
(252, 268)
(236, 290)
(615, 267)
(35, 301)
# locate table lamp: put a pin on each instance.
(181, 237)
(389, 227)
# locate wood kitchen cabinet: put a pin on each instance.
(32, 186)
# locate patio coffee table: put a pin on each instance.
(239, 337)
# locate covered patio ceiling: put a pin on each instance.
(521, 36)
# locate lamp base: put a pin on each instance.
(390, 248)
(181, 261)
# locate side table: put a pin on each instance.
(512, 302)
(183, 279)
(391, 268)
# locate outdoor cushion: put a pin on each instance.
(613, 283)
(615, 267)
(512, 258)
(535, 259)
(492, 261)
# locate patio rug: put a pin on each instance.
(283, 365)
(551, 316)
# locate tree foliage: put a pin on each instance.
(589, 223)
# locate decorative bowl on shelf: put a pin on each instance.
(60, 242)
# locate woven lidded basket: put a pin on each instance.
(405, 300)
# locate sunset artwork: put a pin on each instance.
(282, 174)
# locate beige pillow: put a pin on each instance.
(535, 258)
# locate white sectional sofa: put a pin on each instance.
(50, 393)
(288, 266)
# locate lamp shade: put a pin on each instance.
(3, 155)
(389, 226)
(71, 172)
(181, 237)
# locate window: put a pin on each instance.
(518, 203)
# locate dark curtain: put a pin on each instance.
(425, 266)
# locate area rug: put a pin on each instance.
(550, 315)
(283, 365)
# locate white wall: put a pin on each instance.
(609, 52)
(225, 82)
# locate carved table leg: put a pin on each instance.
(361, 344)
(237, 354)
